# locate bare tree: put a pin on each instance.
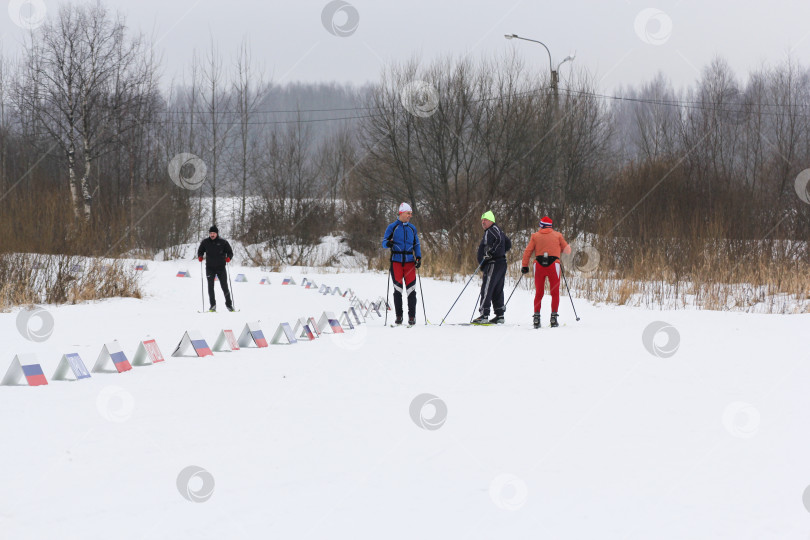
(248, 91)
(82, 72)
(215, 104)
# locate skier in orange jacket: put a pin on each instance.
(545, 246)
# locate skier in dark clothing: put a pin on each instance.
(492, 258)
(217, 253)
(406, 256)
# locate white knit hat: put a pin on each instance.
(405, 207)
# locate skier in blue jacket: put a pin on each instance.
(406, 256)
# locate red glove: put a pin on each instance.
(200, 258)
(227, 260)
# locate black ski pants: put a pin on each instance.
(492, 288)
(222, 275)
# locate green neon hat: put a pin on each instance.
(488, 215)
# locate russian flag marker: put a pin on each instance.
(70, 362)
(226, 342)
(265, 281)
(240, 278)
(329, 322)
(193, 339)
(252, 335)
(141, 267)
(284, 330)
(288, 281)
(112, 352)
(147, 353)
(26, 367)
(183, 273)
(313, 325)
(346, 321)
(303, 331)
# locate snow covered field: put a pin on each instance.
(574, 432)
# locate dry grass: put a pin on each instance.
(763, 277)
(62, 279)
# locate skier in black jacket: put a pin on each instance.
(217, 253)
(492, 258)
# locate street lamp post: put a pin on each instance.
(555, 76)
(555, 81)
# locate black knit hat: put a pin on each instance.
(213, 229)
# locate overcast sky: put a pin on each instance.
(619, 41)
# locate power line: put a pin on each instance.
(736, 108)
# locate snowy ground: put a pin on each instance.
(575, 432)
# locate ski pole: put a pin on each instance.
(513, 291)
(462, 292)
(202, 294)
(230, 286)
(387, 287)
(562, 271)
(477, 301)
(421, 292)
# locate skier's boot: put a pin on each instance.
(398, 320)
(213, 308)
(536, 320)
(230, 308)
(411, 321)
(497, 319)
(554, 323)
(480, 320)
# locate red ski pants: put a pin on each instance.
(553, 274)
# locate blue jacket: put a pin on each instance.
(495, 242)
(405, 241)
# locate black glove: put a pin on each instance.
(488, 256)
(390, 243)
(524, 270)
(418, 262)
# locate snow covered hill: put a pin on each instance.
(595, 429)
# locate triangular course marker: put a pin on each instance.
(336, 290)
(240, 278)
(303, 331)
(111, 352)
(141, 267)
(24, 366)
(193, 339)
(147, 353)
(284, 331)
(226, 342)
(288, 281)
(355, 315)
(70, 363)
(346, 321)
(329, 322)
(265, 281)
(313, 325)
(183, 273)
(252, 335)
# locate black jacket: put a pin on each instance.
(216, 251)
(495, 242)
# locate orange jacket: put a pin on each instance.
(544, 241)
